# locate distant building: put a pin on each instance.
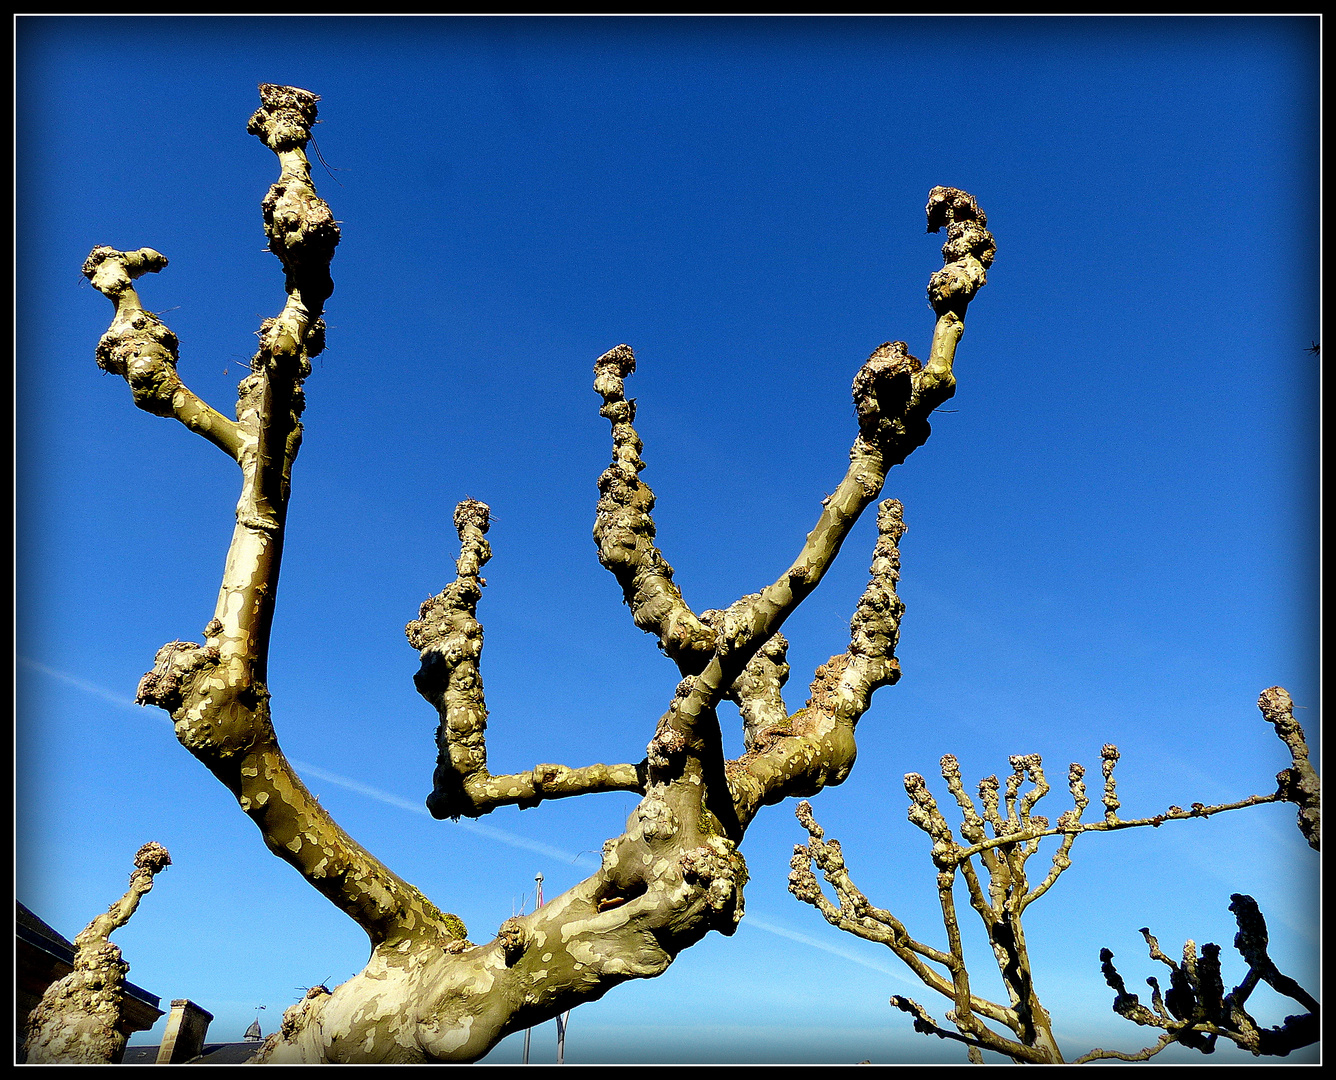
(187, 1027)
(183, 1041)
(42, 955)
(237, 1053)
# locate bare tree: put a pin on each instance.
(675, 873)
(78, 1020)
(1197, 1013)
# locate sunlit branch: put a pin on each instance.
(1194, 1012)
(142, 350)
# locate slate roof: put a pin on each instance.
(236, 1053)
(38, 933)
(26, 920)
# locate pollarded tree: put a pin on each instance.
(1195, 1012)
(78, 1020)
(675, 873)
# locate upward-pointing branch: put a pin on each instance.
(813, 748)
(448, 636)
(894, 394)
(216, 691)
(1299, 784)
(78, 1020)
(142, 350)
(624, 530)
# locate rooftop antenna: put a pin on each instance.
(528, 1032)
(562, 1020)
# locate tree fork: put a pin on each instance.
(215, 690)
(675, 873)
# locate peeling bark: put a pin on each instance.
(78, 1020)
(675, 873)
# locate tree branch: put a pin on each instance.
(78, 1020)
(856, 915)
(303, 234)
(1198, 1011)
(1174, 813)
(894, 395)
(1167, 1039)
(983, 1039)
(143, 351)
(1062, 857)
(1251, 941)
(1299, 784)
(215, 691)
(758, 691)
(815, 747)
(150, 860)
(624, 530)
(448, 636)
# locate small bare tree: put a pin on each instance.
(1195, 1012)
(78, 1020)
(675, 873)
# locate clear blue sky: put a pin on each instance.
(1112, 538)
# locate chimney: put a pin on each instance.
(184, 1037)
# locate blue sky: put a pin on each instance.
(1112, 538)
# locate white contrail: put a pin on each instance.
(500, 835)
(853, 957)
(491, 832)
(86, 687)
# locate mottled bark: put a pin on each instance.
(1197, 1013)
(675, 873)
(78, 1020)
(449, 638)
(215, 689)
